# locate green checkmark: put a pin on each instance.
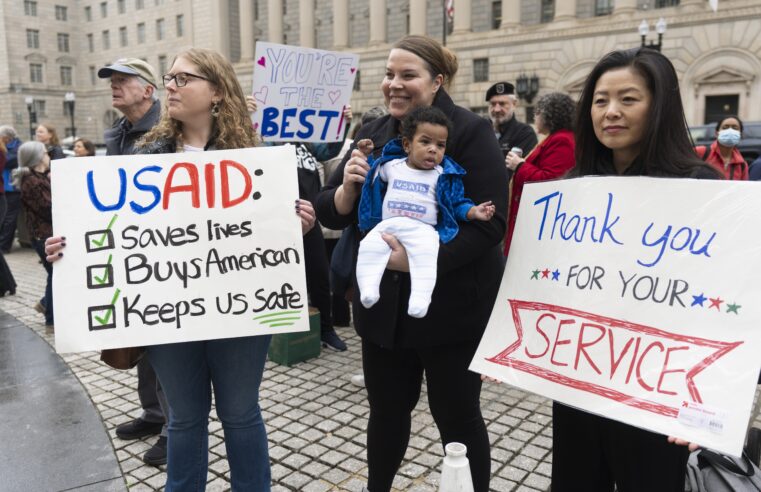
(99, 242)
(110, 311)
(104, 279)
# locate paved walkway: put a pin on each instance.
(316, 420)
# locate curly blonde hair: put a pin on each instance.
(232, 127)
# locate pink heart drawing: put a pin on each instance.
(261, 96)
(256, 126)
(261, 62)
(334, 95)
(353, 70)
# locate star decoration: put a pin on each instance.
(535, 275)
(698, 300)
(715, 303)
(556, 274)
(732, 308)
(546, 273)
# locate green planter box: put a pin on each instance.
(290, 348)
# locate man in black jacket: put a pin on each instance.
(133, 87)
(509, 131)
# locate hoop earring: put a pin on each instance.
(215, 110)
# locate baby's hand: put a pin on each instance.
(365, 146)
(482, 211)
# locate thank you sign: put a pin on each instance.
(635, 299)
(177, 247)
(301, 93)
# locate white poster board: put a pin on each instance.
(301, 93)
(177, 247)
(636, 299)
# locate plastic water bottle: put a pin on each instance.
(455, 472)
(517, 151)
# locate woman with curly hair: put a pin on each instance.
(205, 109)
(550, 159)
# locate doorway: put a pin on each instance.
(719, 106)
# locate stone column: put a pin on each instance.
(565, 10)
(275, 21)
(462, 16)
(246, 12)
(341, 23)
(624, 7)
(511, 13)
(418, 17)
(377, 21)
(306, 23)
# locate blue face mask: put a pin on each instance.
(729, 137)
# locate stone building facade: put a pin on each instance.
(51, 47)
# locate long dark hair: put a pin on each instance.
(666, 148)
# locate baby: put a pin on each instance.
(414, 193)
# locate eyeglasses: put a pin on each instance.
(180, 79)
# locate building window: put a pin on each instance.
(121, 6)
(603, 7)
(548, 11)
(65, 75)
(481, 70)
(33, 38)
(106, 37)
(256, 9)
(180, 25)
(123, 41)
(356, 82)
(162, 65)
(35, 72)
(40, 108)
(285, 7)
(139, 4)
(141, 33)
(61, 13)
(659, 4)
(496, 14)
(159, 29)
(104, 9)
(30, 8)
(63, 42)
(93, 75)
(90, 43)
(88, 13)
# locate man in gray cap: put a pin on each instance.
(133, 88)
(133, 92)
(509, 131)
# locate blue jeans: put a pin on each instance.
(187, 371)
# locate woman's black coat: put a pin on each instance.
(469, 267)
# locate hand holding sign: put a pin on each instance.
(302, 93)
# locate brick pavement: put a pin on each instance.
(315, 419)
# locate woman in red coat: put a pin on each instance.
(723, 153)
(551, 159)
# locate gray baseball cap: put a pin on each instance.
(130, 66)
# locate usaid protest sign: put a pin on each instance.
(177, 247)
(301, 93)
(635, 299)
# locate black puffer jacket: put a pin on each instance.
(469, 266)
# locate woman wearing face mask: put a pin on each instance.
(723, 153)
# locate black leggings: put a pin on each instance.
(393, 378)
(592, 453)
(318, 279)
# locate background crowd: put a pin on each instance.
(205, 108)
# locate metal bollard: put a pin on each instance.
(455, 472)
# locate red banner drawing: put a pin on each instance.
(703, 351)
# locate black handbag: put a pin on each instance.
(122, 358)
